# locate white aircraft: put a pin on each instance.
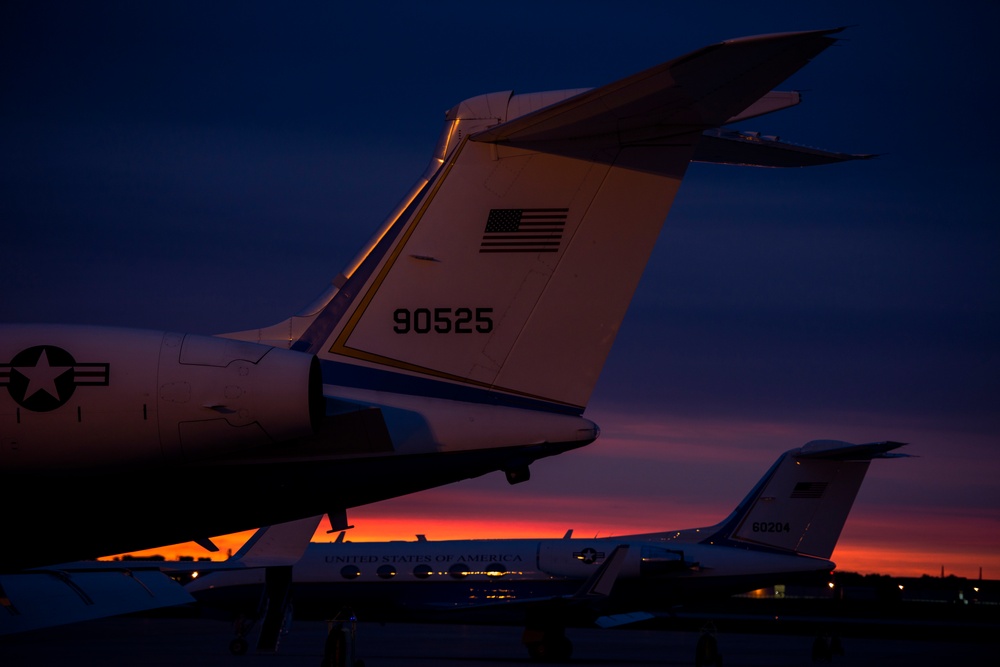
(466, 337)
(783, 532)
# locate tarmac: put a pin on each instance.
(194, 642)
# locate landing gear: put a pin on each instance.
(242, 627)
(825, 647)
(274, 613)
(238, 646)
(547, 646)
(341, 641)
(706, 651)
(545, 631)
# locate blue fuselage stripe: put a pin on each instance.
(362, 377)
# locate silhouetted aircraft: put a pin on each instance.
(466, 337)
(783, 532)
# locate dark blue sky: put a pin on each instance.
(209, 167)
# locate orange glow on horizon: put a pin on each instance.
(849, 556)
(651, 473)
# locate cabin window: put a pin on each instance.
(459, 571)
(496, 570)
(350, 572)
(422, 571)
(386, 571)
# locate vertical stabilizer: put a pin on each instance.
(801, 505)
(508, 269)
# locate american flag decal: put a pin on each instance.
(524, 230)
(809, 490)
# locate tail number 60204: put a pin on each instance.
(442, 320)
(771, 527)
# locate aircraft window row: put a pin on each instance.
(423, 571)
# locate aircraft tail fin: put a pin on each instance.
(802, 503)
(504, 275)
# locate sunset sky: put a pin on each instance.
(209, 167)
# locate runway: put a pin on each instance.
(194, 642)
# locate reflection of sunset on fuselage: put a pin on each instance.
(851, 554)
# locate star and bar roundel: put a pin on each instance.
(588, 555)
(42, 378)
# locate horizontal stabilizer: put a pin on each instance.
(751, 149)
(701, 90)
(837, 450)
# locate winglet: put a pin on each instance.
(207, 544)
(603, 579)
(280, 544)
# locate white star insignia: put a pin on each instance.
(42, 376)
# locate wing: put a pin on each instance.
(87, 590)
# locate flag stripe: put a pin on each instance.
(809, 490)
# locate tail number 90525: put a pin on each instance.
(442, 320)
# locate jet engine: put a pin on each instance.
(77, 397)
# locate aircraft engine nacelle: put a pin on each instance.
(96, 397)
(580, 558)
(575, 558)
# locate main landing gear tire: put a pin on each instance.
(238, 646)
(551, 649)
(706, 652)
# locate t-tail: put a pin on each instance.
(803, 501)
(502, 278)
